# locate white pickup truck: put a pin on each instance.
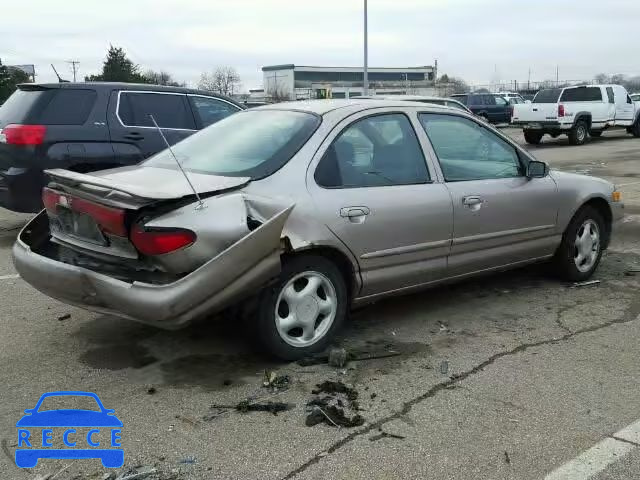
(577, 112)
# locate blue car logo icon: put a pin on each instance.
(84, 433)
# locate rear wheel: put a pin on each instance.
(635, 129)
(532, 137)
(300, 314)
(581, 249)
(578, 134)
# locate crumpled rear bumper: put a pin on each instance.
(237, 272)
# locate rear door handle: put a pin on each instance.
(135, 136)
(349, 212)
(472, 200)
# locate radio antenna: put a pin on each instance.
(200, 205)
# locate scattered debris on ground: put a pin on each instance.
(384, 434)
(151, 390)
(274, 382)
(136, 473)
(585, 284)
(187, 420)
(352, 356)
(507, 458)
(337, 357)
(632, 272)
(188, 460)
(64, 317)
(335, 405)
(246, 406)
(444, 367)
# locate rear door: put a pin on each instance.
(500, 216)
(624, 106)
(502, 109)
(132, 131)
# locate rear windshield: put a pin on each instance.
(20, 106)
(251, 143)
(550, 95)
(48, 106)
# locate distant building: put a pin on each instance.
(297, 82)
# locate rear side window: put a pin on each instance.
(169, 110)
(582, 94)
(211, 110)
(69, 107)
(489, 100)
(550, 95)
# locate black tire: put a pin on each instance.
(268, 336)
(564, 259)
(635, 129)
(595, 133)
(579, 133)
(532, 137)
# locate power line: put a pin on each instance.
(74, 66)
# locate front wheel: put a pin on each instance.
(578, 134)
(532, 137)
(581, 249)
(300, 314)
(635, 129)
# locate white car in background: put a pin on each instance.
(512, 97)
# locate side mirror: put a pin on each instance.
(537, 169)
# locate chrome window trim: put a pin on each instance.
(120, 92)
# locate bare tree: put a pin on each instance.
(276, 93)
(223, 80)
(161, 78)
(601, 78)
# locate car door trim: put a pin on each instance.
(406, 249)
(504, 233)
(120, 92)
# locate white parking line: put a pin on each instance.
(600, 456)
(9, 277)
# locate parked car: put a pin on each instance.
(306, 209)
(512, 97)
(446, 102)
(91, 126)
(578, 112)
(493, 108)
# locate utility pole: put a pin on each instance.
(365, 79)
(74, 67)
(529, 80)
(557, 76)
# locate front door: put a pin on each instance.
(132, 131)
(501, 217)
(624, 106)
(374, 191)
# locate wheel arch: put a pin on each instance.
(601, 205)
(347, 266)
(585, 116)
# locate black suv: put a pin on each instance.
(492, 107)
(92, 126)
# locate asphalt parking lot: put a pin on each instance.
(513, 376)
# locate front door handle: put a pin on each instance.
(350, 212)
(473, 202)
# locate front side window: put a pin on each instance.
(500, 101)
(211, 110)
(376, 151)
(468, 151)
(169, 110)
(251, 143)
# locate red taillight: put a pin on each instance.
(561, 110)
(110, 220)
(24, 134)
(159, 242)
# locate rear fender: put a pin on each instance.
(585, 116)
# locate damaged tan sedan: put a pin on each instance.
(298, 211)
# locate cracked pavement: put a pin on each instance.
(536, 372)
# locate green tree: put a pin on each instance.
(9, 79)
(118, 68)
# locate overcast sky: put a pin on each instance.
(478, 40)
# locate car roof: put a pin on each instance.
(122, 86)
(322, 107)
